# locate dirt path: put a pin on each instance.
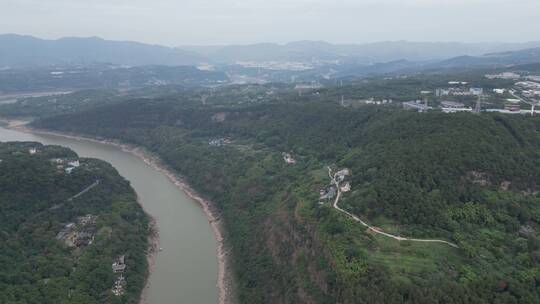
(335, 182)
(84, 190)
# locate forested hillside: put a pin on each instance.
(103, 76)
(64, 220)
(471, 180)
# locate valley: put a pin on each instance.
(378, 171)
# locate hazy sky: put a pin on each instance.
(180, 22)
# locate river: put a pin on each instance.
(186, 270)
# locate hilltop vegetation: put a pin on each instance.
(56, 247)
(472, 180)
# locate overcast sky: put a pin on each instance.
(207, 22)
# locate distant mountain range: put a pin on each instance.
(358, 53)
(341, 59)
(526, 56)
(27, 51)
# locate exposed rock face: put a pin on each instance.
(526, 230)
(505, 185)
(478, 178)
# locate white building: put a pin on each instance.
(287, 157)
(417, 105)
(343, 172)
(531, 93)
(74, 163)
(301, 87)
(346, 187)
(506, 75)
(442, 92)
(455, 110)
(476, 91)
(452, 104)
(372, 101)
(453, 107)
(528, 85)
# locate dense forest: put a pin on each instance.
(469, 179)
(64, 220)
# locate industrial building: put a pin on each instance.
(417, 105)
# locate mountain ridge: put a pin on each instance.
(25, 51)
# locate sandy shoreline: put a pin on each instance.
(224, 280)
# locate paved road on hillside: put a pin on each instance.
(335, 182)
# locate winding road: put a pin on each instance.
(335, 182)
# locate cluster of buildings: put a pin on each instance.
(417, 105)
(459, 91)
(531, 93)
(277, 65)
(513, 109)
(512, 76)
(327, 193)
(531, 85)
(67, 165)
(119, 267)
(505, 75)
(79, 233)
(308, 86)
(71, 165)
(287, 157)
(341, 175)
(218, 142)
(445, 106)
(312, 88)
(372, 101)
(331, 191)
(454, 107)
(530, 89)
